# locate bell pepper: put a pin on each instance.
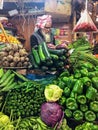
(94, 106)
(88, 65)
(61, 84)
(84, 72)
(66, 91)
(62, 100)
(83, 107)
(90, 116)
(78, 115)
(96, 97)
(86, 81)
(68, 113)
(71, 103)
(77, 75)
(95, 82)
(91, 74)
(81, 99)
(73, 94)
(78, 87)
(91, 93)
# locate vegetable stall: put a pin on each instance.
(64, 101)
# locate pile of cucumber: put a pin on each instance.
(47, 59)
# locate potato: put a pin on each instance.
(11, 52)
(5, 64)
(22, 59)
(12, 64)
(16, 54)
(20, 46)
(23, 52)
(4, 59)
(19, 64)
(15, 47)
(10, 58)
(16, 59)
(3, 53)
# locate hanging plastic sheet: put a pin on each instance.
(85, 23)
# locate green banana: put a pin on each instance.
(7, 80)
(1, 72)
(5, 76)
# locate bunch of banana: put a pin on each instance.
(7, 80)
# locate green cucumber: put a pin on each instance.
(45, 50)
(54, 56)
(49, 63)
(41, 54)
(5, 76)
(36, 56)
(33, 61)
(44, 68)
(58, 52)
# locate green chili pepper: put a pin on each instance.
(65, 73)
(78, 115)
(78, 87)
(83, 107)
(91, 93)
(71, 104)
(81, 99)
(95, 82)
(84, 72)
(68, 113)
(90, 116)
(94, 106)
(66, 91)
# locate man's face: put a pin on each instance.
(47, 28)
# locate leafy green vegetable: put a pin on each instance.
(53, 92)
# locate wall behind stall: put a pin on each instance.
(25, 26)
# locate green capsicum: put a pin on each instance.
(94, 106)
(78, 87)
(96, 98)
(88, 65)
(91, 93)
(65, 74)
(73, 94)
(68, 113)
(86, 81)
(81, 99)
(66, 91)
(90, 116)
(78, 115)
(95, 82)
(92, 74)
(84, 72)
(62, 100)
(77, 74)
(71, 103)
(83, 107)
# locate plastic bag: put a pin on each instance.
(85, 23)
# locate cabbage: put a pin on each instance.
(51, 113)
(52, 92)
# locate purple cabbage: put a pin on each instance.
(51, 113)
